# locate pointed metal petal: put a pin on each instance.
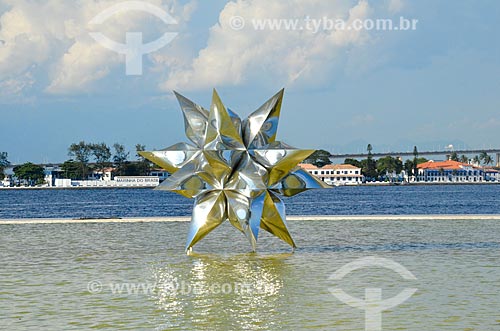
(188, 181)
(195, 119)
(236, 120)
(261, 126)
(172, 158)
(208, 213)
(221, 132)
(238, 212)
(273, 218)
(256, 210)
(280, 161)
(298, 181)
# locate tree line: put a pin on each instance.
(385, 167)
(84, 159)
(483, 158)
(33, 174)
(88, 157)
(381, 169)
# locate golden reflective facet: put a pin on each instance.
(208, 213)
(273, 218)
(261, 127)
(221, 132)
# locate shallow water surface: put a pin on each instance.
(135, 276)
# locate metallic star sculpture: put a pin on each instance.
(236, 170)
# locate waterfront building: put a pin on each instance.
(103, 178)
(6, 182)
(118, 181)
(336, 174)
(449, 171)
(51, 173)
(105, 174)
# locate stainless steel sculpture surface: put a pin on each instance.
(234, 169)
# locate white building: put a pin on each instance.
(102, 174)
(118, 181)
(336, 174)
(6, 181)
(449, 171)
(51, 173)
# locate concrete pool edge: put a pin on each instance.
(289, 218)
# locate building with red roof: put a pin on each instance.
(449, 171)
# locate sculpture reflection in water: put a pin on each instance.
(234, 169)
(189, 294)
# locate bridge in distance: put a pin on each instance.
(495, 151)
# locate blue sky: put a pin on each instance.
(433, 86)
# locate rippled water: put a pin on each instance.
(50, 273)
(442, 199)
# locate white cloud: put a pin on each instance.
(83, 63)
(11, 90)
(283, 57)
(53, 34)
(50, 41)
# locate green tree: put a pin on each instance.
(353, 162)
(30, 172)
(369, 168)
(415, 163)
(143, 166)
(139, 148)
(464, 159)
(410, 166)
(319, 158)
(487, 160)
(81, 153)
(102, 156)
(120, 158)
(421, 160)
(388, 165)
(454, 156)
(4, 162)
(71, 169)
(476, 159)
